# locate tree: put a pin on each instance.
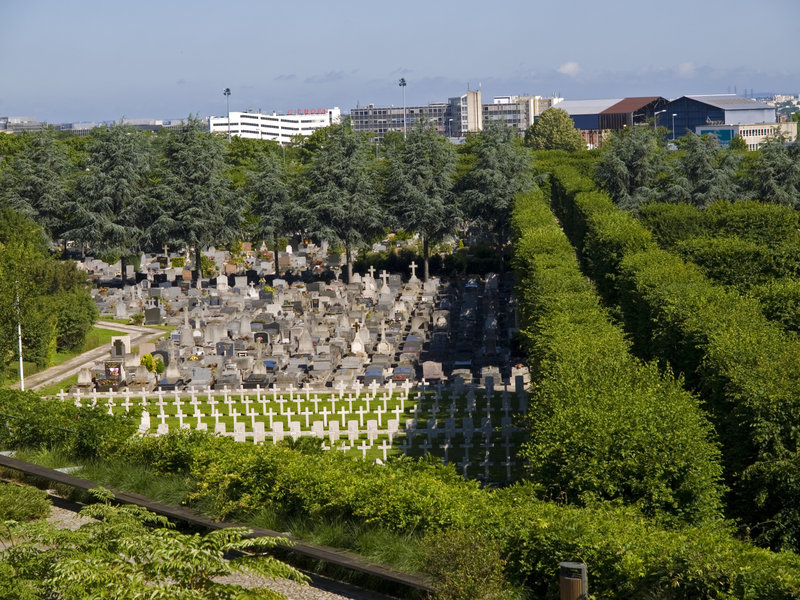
(500, 171)
(271, 202)
(343, 204)
(704, 172)
(47, 297)
(630, 165)
(419, 187)
(127, 552)
(198, 206)
(776, 173)
(111, 204)
(737, 144)
(554, 130)
(35, 182)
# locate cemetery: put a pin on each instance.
(375, 367)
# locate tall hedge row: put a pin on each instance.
(603, 426)
(745, 368)
(627, 554)
(759, 222)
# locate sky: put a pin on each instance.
(100, 60)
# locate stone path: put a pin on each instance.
(73, 365)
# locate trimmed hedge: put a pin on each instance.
(627, 554)
(758, 222)
(744, 367)
(602, 426)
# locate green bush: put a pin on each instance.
(22, 503)
(780, 301)
(627, 555)
(602, 426)
(745, 369)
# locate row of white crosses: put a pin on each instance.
(332, 418)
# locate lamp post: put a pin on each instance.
(19, 341)
(402, 84)
(450, 127)
(227, 93)
(655, 117)
(673, 124)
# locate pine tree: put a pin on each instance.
(198, 207)
(343, 205)
(111, 207)
(500, 171)
(419, 187)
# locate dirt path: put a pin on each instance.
(69, 367)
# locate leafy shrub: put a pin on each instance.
(602, 426)
(22, 503)
(745, 368)
(466, 564)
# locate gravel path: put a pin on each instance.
(320, 588)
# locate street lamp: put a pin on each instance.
(450, 126)
(673, 124)
(402, 84)
(655, 117)
(19, 340)
(227, 93)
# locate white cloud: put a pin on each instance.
(686, 69)
(570, 68)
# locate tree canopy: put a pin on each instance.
(343, 203)
(499, 171)
(198, 206)
(554, 130)
(419, 187)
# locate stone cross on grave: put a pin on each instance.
(413, 267)
(385, 277)
(384, 447)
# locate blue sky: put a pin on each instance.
(86, 60)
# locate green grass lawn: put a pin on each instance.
(96, 337)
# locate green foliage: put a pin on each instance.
(33, 422)
(554, 130)
(730, 261)
(466, 564)
(112, 212)
(671, 223)
(776, 174)
(737, 144)
(419, 187)
(76, 313)
(198, 208)
(22, 503)
(630, 165)
(118, 554)
(46, 297)
(500, 170)
(627, 555)
(36, 181)
(602, 426)
(744, 368)
(780, 301)
(148, 362)
(342, 185)
(703, 172)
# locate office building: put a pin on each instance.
(280, 128)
